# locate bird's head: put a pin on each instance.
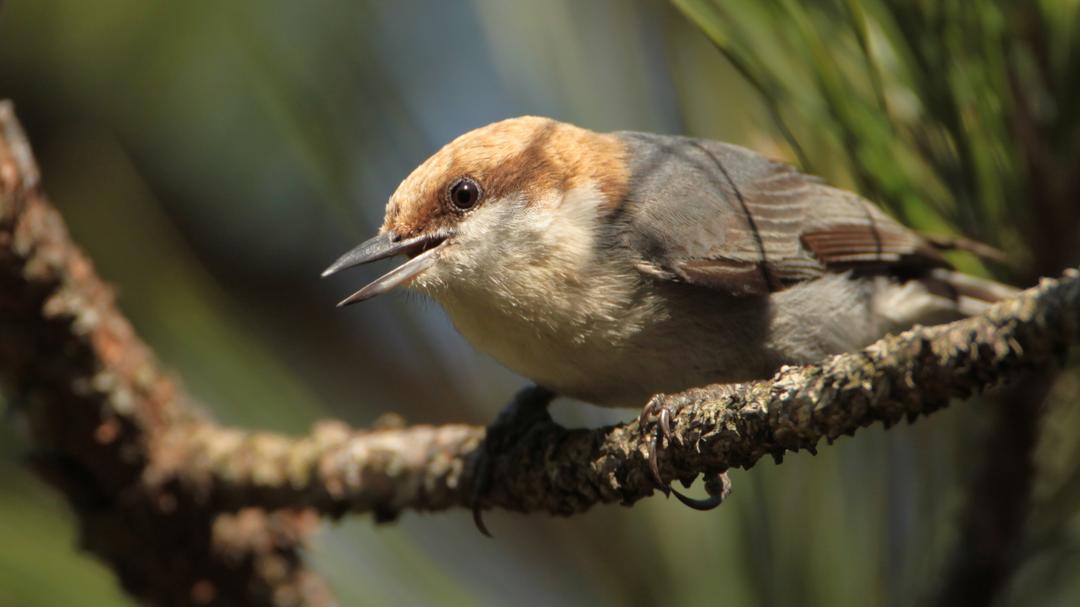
(515, 193)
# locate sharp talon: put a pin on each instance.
(654, 447)
(718, 487)
(483, 482)
(665, 423)
(707, 503)
(478, 519)
(643, 418)
(656, 407)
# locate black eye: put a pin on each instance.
(464, 194)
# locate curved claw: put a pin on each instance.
(646, 412)
(707, 503)
(665, 423)
(478, 519)
(663, 431)
(654, 447)
(483, 481)
(718, 487)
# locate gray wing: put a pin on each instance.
(727, 218)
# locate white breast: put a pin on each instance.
(528, 285)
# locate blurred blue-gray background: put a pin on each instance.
(213, 157)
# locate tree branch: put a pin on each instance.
(561, 471)
(97, 405)
(144, 470)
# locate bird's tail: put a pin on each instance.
(971, 295)
(939, 296)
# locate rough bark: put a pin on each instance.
(98, 406)
(556, 470)
(187, 510)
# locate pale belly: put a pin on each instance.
(681, 339)
(623, 365)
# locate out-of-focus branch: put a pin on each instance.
(147, 475)
(98, 405)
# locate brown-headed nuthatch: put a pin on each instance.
(612, 267)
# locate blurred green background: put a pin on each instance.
(213, 157)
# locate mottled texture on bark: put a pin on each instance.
(98, 405)
(185, 509)
(552, 469)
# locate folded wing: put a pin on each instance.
(727, 218)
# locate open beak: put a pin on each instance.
(421, 252)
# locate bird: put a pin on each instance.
(612, 267)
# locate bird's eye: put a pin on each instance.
(464, 194)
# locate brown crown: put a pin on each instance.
(527, 156)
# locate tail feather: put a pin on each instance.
(972, 295)
(976, 248)
(939, 296)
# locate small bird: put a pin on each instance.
(610, 267)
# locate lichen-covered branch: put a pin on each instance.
(552, 469)
(98, 404)
(174, 501)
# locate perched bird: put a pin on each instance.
(610, 267)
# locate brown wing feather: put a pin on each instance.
(765, 226)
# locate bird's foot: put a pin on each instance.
(528, 408)
(717, 485)
(663, 408)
